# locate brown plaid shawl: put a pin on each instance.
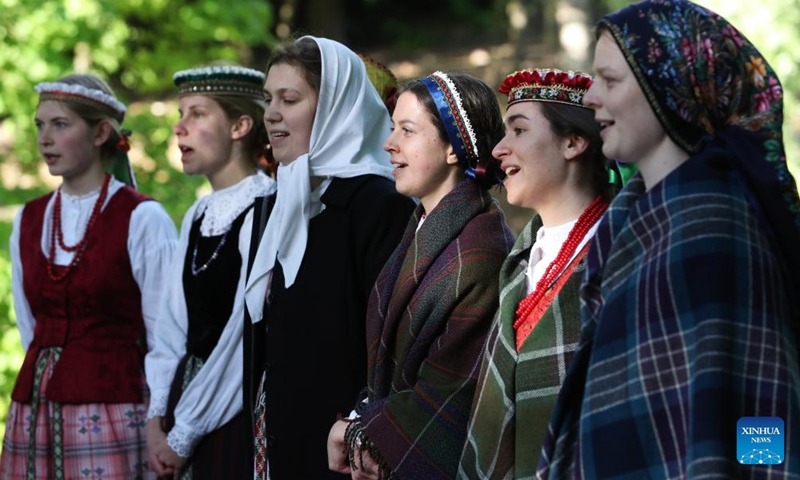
(428, 317)
(519, 389)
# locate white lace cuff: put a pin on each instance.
(183, 441)
(158, 405)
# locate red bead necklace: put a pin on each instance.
(588, 218)
(57, 235)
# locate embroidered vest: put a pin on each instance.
(94, 314)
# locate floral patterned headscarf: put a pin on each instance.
(707, 83)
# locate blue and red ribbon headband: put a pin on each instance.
(454, 117)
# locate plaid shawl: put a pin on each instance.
(663, 372)
(520, 389)
(428, 318)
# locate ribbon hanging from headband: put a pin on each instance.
(119, 165)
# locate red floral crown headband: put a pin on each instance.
(546, 85)
(79, 94)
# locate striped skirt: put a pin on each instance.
(47, 440)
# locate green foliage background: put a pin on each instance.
(138, 44)
(10, 349)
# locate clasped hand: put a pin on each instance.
(338, 456)
(163, 460)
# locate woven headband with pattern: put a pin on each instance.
(220, 80)
(546, 85)
(454, 117)
(67, 92)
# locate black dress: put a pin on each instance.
(209, 298)
(311, 345)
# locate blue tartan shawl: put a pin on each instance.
(664, 372)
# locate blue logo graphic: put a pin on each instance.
(759, 440)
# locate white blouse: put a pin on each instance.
(151, 244)
(546, 247)
(214, 396)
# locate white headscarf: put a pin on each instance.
(350, 125)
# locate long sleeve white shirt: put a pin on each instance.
(214, 395)
(151, 244)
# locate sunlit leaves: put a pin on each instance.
(136, 44)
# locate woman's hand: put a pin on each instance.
(154, 438)
(167, 456)
(366, 470)
(337, 450)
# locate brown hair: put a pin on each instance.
(480, 104)
(303, 54)
(566, 120)
(256, 141)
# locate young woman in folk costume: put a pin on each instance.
(194, 371)
(552, 154)
(336, 219)
(433, 302)
(88, 264)
(692, 307)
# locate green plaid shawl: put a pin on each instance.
(520, 389)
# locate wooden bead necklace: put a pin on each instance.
(582, 226)
(57, 235)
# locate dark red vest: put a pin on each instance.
(95, 314)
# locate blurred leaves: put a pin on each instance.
(137, 45)
(10, 349)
